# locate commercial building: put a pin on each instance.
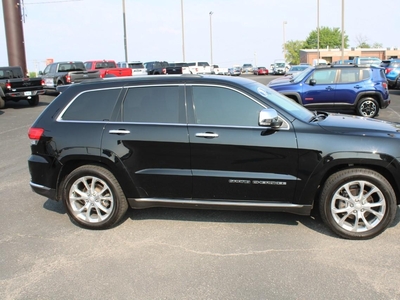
(332, 55)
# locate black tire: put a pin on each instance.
(346, 209)
(97, 210)
(34, 100)
(2, 103)
(368, 107)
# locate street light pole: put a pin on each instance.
(342, 31)
(318, 54)
(124, 21)
(183, 34)
(211, 13)
(284, 41)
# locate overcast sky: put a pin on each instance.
(243, 31)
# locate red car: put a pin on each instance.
(260, 71)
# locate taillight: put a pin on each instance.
(384, 84)
(8, 85)
(68, 78)
(35, 133)
(164, 71)
(42, 82)
(388, 70)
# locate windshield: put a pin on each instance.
(280, 65)
(203, 64)
(300, 76)
(136, 65)
(284, 103)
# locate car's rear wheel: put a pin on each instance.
(34, 100)
(93, 197)
(2, 103)
(357, 203)
(368, 107)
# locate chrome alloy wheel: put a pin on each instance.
(91, 199)
(358, 206)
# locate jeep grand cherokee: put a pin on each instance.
(211, 142)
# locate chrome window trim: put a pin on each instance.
(59, 117)
(285, 125)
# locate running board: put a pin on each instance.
(140, 203)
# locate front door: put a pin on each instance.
(320, 95)
(231, 156)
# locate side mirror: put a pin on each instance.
(313, 82)
(269, 117)
(40, 73)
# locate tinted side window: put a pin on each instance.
(323, 76)
(154, 104)
(92, 106)
(222, 106)
(349, 75)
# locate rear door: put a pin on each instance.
(234, 158)
(349, 85)
(151, 141)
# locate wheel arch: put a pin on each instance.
(293, 95)
(374, 95)
(387, 167)
(119, 173)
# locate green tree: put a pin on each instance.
(328, 37)
(364, 45)
(293, 51)
(377, 45)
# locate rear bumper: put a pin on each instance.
(43, 190)
(23, 95)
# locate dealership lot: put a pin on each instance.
(177, 253)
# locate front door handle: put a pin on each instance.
(119, 131)
(207, 135)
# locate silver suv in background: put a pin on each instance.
(367, 61)
(136, 66)
(247, 68)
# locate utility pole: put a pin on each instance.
(125, 39)
(14, 34)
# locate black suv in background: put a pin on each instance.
(161, 68)
(211, 142)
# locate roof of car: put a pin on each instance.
(162, 79)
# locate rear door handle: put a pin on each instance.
(207, 135)
(119, 131)
(357, 86)
(329, 88)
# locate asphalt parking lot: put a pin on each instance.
(178, 253)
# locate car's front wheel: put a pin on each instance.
(357, 203)
(93, 197)
(368, 107)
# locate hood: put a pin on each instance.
(348, 124)
(281, 81)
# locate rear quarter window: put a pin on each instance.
(92, 106)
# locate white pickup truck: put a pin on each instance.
(200, 67)
(220, 71)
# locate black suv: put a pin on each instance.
(211, 142)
